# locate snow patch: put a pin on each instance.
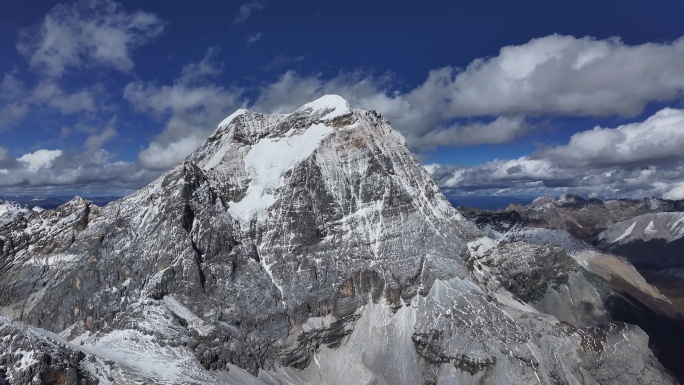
(266, 163)
(144, 356)
(314, 323)
(216, 158)
(52, 260)
(9, 211)
(184, 313)
(231, 117)
(27, 358)
(333, 103)
(626, 233)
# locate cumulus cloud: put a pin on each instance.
(85, 34)
(423, 127)
(534, 177)
(361, 88)
(675, 193)
(638, 159)
(58, 169)
(192, 107)
(550, 76)
(17, 100)
(658, 138)
(501, 130)
(80, 35)
(493, 100)
(246, 10)
(39, 159)
(561, 75)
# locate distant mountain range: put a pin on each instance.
(52, 201)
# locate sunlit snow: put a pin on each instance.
(267, 161)
(336, 104)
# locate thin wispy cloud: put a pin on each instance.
(246, 10)
(253, 38)
(281, 61)
(87, 34)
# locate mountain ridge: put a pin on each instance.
(347, 247)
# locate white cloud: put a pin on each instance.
(490, 101)
(86, 34)
(675, 193)
(160, 156)
(423, 127)
(638, 159)
(11, 88)
(192, 107)
(246, 10)
(39, 159)
(6, 160)
(253, 38)
(560, 75)
(50, 94)
(501, 130)
(92, 169)
(550, 76)
(79, 35)
(16, 101)
(12, 106)
(95, 141)
(658, 138)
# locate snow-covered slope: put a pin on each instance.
(652, 241)
(307, 248)
(618, 240)
(665, 226)
(10, 211)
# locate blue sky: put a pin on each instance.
(495, 97)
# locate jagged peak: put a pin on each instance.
(330, 105)
(569, 199)
(76, 203)
(231, 117)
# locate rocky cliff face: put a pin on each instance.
(610, 239)
(307, 248)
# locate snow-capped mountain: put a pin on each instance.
(9, 211)
(655, 244)
(307, 248)
(586, 218)
(667, 227)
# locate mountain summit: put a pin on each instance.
(305, 248)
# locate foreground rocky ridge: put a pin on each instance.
(611, 238)
(300, 249)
